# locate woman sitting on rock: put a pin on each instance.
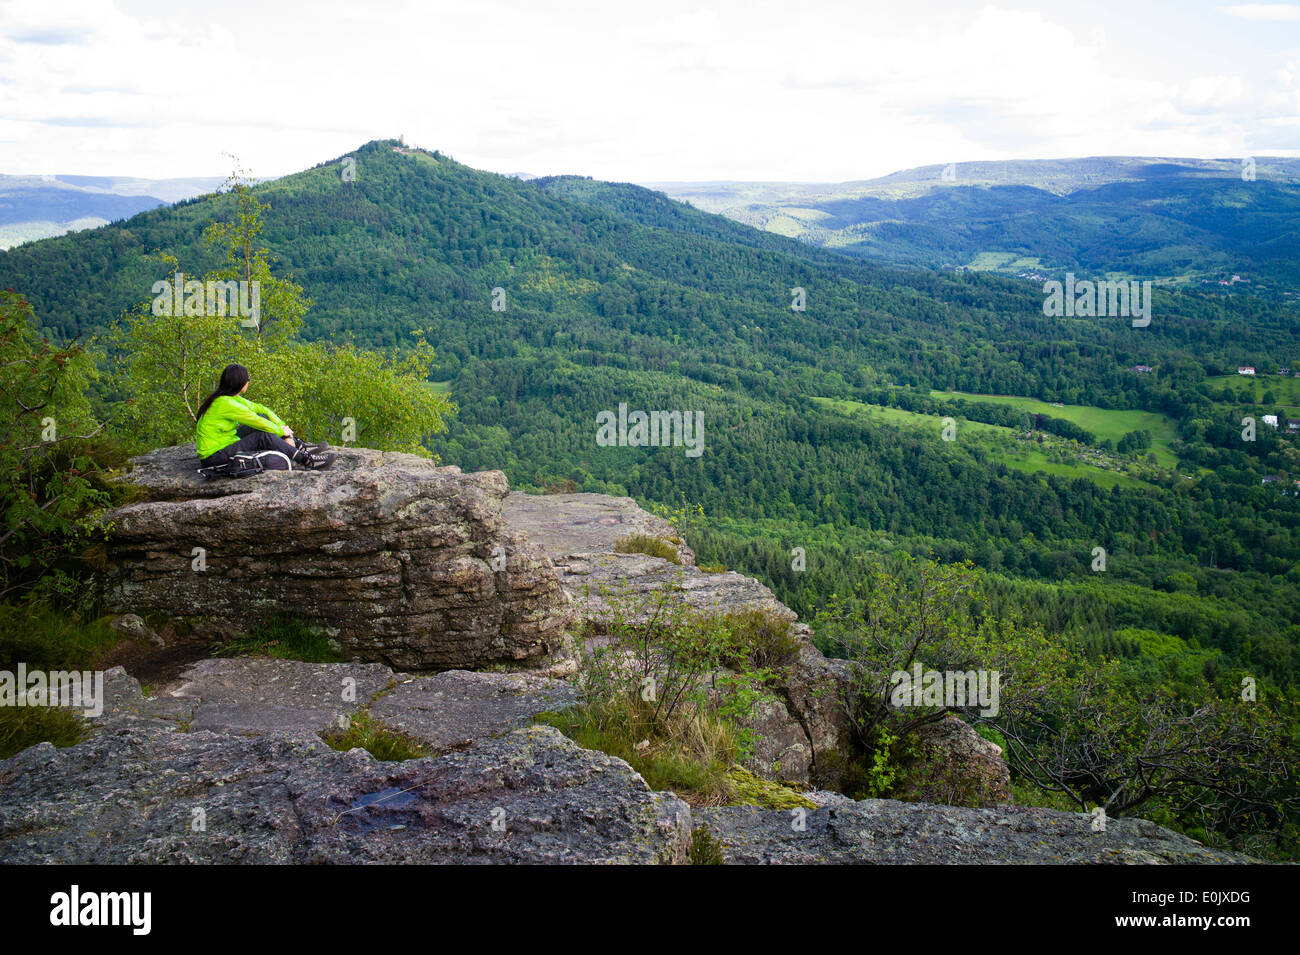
(230, 424)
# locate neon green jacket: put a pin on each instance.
(216, 429)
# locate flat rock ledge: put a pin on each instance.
(230, 769)
(886, 832)
(401, 562)
(579, 532)
(568, 524)
(532, 796)
(256, 696)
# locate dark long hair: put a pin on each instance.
(233, 379)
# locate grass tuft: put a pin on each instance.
(283, 637)
(46, 639)
(705, 849)
(689, 752)
(25, 726)
(381, 742)
(649, 545)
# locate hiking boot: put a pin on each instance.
(318, 448)
(319, 462)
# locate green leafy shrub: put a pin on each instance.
(766, 641)
(50, 482)
(910, 613)
(873, 772)
(686, 518)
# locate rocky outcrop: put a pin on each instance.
(144, 796)
(441, 711)
(579, 533)
(781, 747)
(805, 717)
(231, 768)
(954, 764)
(814, 687)
(886, 832)
(425, 568)
(213, 774)
(587, 523)
(414, 567)
(402, 562)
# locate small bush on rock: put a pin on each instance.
(705, 849)
(667, 691)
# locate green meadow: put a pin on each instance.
(1102, 422)
(1002, 443)
(1286, 391)
(1004, 261)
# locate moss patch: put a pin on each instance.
(749, 790)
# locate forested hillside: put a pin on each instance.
(1194, 222)
(552, 300)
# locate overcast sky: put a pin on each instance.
(652, 91)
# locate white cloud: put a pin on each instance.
(674, 90)
(1265, 12)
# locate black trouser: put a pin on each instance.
(250, 442)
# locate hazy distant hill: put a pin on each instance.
(37, 207)
(1195, 221)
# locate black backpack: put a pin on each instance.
(242, 465)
